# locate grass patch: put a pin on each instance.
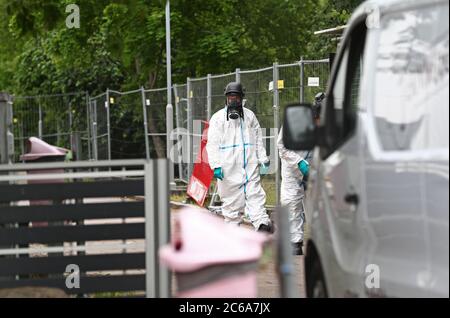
(178, 197)
(267, 182)
(115, 294)
(267, 256)
(269, 186)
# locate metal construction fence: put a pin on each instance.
(132, 124)
(59, 119)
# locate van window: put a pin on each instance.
(343, 100)
(338, 95)
(412, 78)
(339, 85)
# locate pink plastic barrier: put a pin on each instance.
(40, 151)
(211, 258)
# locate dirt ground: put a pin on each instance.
(268, 281)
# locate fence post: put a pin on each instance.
(108, 123)
(144, 112)
(276, 107)
(285, 264)
(6, 128)
(40, 119)
(21, 135)
(208, 97)
(169, 107)
(58, 129)
(72, 137)
(150, 236)
(190, 128)
(238, 75)
(302, 71)
(157, 226)
(94, 128)
(169, 129)
(75, 138)
(88, 124)
(179, 125)
(163, 224)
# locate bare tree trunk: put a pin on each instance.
(137, 66)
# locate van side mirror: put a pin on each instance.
(299, 128)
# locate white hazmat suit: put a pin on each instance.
(236, 146)
(292, 191)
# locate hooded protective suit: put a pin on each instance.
(236, 146)
(292, 190)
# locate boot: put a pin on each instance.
(266, 228)
(297, 248)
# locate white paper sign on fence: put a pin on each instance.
(313, 81)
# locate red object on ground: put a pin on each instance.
(202, 174)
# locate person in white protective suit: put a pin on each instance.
(294, 174)
(237, 156)
(294, 167)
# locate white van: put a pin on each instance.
(378, 198)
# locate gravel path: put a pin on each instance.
(268, 282)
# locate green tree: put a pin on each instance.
(121, 43)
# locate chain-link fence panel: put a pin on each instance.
(315, 78)
(99, 123)
(290, 88)
(156, 103)
(257, 94)
(26, 122)
(60, 120)
(259, 97)
(181, 106)
(301, 81)
(79, 124)
(198, 103)
(55, 121)
(198, 96)
(126, 125)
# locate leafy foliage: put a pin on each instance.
(121, 43)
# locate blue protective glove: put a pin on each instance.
(264, 168)
(218, 173)
(304, 167)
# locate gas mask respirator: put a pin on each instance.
(235, 110)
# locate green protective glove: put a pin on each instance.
(264, 168)
(218, 173)
(304, 167)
